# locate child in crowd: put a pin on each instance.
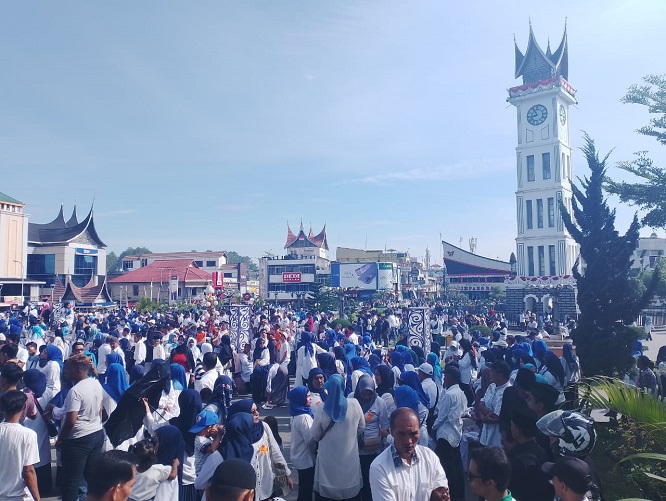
(206, 394)
(208, 438)
(148, 474)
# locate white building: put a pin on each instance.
(208, 261)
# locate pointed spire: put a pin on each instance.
(73, 219)
(535, 65)
(291, 238)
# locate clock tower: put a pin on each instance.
(543, 160)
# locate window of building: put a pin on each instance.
(539, 213)
(564, 168)
(85, 266)
(228, 275)
(530, 261)
(530, 167)
(551, 212)
(128, 265)
(545, 164)
(551, 260)
(528, 214)
(199, 263)
(135, 290)
(144, 262)
(211, 263)
(41, 264)
(542, 261)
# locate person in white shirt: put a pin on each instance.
(210, 375)
(139, 349)
(448, 428)
(19, 451)
(490, 406)
(306, 357)
(430, 388)
(406, 471)
(303, 453)
(246, 365)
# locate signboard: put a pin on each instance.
(218, 280)
(13, 299)
(354, 275)
(173, 288)
(58, 312)
(385, 277)
(293, 277)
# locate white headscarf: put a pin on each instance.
(196, 352)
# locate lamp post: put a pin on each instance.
(22, 276)
(52, 289)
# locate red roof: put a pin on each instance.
(161, 271)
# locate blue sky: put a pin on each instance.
(210, 124)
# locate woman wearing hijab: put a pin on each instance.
(337, 428)
(236, 444)
(226, 355)
(406, 397)
(114, 387)
(277, 386)
(341, 363)
(190, 405)
(374, 360)
(306, 357)
(385, 383)
(35, 381)
(359, 366)
(327, 364)
(114, 358)
(433, 359)
(315, 385)
(468, 368)
(420, 355)
(376, 419)
(267, 455)
(136, 373)
(50, 363)
(411, 379)
(539, 349)
(220, 400)
(303, 452)
(397, 364)
(169, 445)
(182, 356)
(196, 352)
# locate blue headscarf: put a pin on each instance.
(397, 360)
(116, 383)
(136, 373)
(433, 360)
(539, 349)
(350, 351)
(245, 407)
(411, 379)
(237, 441)
(401, 348)
(36, 381)
(298, 402)
(306, 341)
(361, 364)
(322, 391)
(171, 446)
(178, 379)
(114, 358)
(406, 397)
(326, 362)
(367, 340)
(53, 354)
(336, 403)
(190, 405)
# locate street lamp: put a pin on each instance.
(22, 276)
(52, 289)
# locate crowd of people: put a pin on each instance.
(372, 416)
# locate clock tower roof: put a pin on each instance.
(536, 65)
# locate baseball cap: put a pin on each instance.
(426, 368)
(203, 420)
(574, 472)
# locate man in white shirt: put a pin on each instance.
(19, 452)
(448, 426)
(490, 406)
(210, 375)
(406, 471)
(429, 386)
(139, 349)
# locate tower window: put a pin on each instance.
(530, 167)
(545, 163)
(530, 261)
(551, 259)
(528, 213)
(551, 212)
(539, 213)
(542, 261)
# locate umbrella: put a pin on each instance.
(127, 418)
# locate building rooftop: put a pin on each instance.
(9, 200)
(162, 270)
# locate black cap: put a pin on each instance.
(573, 472)
(234, 472)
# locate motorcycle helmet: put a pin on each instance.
(574, 430)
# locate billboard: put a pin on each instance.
(385, 276)
(354, 275)
(293, 277)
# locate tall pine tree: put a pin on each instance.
(607, 305)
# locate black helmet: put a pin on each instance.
(574, 430)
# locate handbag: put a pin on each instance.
(51, 427)
(280, 483)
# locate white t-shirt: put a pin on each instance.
(18, 448)
(85, 398)
(147, 482)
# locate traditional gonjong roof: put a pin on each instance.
(60, 231)
(536, 65)
(88, 295)
(303, 240)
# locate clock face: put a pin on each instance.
(563, 115)
(537, 114)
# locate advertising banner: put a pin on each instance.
(293, 277)
(173, 288)
(354, 275)
(385, 276)
(218, 280)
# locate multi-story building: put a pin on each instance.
(208, 261)
(292, 276)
